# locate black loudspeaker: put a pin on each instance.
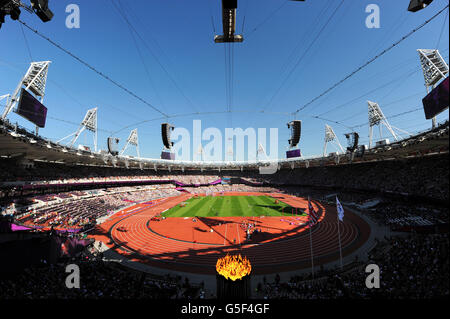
(112, 145)
(417, 5)
(229, 4)
(296, 130)
(165, 134)
(352, 140)
(42, 10)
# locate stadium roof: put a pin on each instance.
(16, 142)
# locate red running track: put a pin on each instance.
(183, 245)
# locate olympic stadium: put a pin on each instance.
(119, 199)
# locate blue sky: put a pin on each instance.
(179, 69)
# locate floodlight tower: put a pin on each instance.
(89, 123)
(132, 140)
(434, 69)
(376, 117)
(330, 136)
(5, 97)
(35, 81)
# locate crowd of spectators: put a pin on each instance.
(81, 208)
(413, 267)
(66, 211)
(98, 280)
(404, 214)
(424, 176)
(219, 188)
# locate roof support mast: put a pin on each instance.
(132, 140)
(376, 117)
(330, 136)
(89, 123)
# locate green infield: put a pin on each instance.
(226, 206)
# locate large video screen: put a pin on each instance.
(31, 109)
(293, 153)
(436, 101)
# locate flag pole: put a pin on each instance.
(312, 254)
(339, 235)
(310, 238)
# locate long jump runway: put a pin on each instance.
(184, 244)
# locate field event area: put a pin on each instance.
(229, 206)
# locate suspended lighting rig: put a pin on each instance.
(228, 23)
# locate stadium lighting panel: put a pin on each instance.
(329, 133)
(434, 70)
(433, 65)
(89, 123)
(132, 139)
(34, 81)
(90, 120)
(330, 136)
(376, 117)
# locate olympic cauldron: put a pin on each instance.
(233, 277)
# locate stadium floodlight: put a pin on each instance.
(5, 97)
(433, 65)
(89, 123)
(330, 136)
(132, 139)
(434, 70)
(376, 117)
(417, 5)
(34, 80)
